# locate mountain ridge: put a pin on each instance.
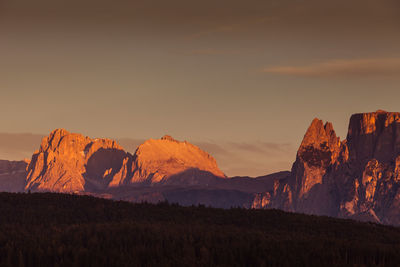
(69, 162)
(354, 178)
(358, 177)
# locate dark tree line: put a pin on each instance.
(67, 230)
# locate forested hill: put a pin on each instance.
(44, 229)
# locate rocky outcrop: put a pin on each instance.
(370, 177)
(306, 186)
(68, 162)
(318, 151)
(356, 178)
(374, 135)
(160, 160)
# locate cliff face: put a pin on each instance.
(159, 160)
(371, 173)
(374, 135)
(318, 151)
(68, 162)
(357, 178)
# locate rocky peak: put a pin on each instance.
(168, 138)
(69, 162)
(374, 135)
(53, 139)
(318, 151)
(356, 178)
(157, 160)
(320, 145)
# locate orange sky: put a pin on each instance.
(240, 76)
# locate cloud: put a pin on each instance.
(344, 68)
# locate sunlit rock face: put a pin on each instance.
(318, 151)
(371, 173)
(261, 200)
(304, 190)
(374, 136)
(356, 178)
(159, 160)
(68, 162)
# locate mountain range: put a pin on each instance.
(357, 178)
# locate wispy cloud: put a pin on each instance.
(346, 68)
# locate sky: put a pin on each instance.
(241, 79)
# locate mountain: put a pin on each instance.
(69, 162)
(358, 177)
(355, 178)
(160, 169)
(160, 160)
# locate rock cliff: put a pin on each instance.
(159, 160)
(355, 178)
(68, 162)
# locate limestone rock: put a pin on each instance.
(261, 200)
(319, 149)
(158, 160)
(357, 178)
(374, 135)
(68, 162)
